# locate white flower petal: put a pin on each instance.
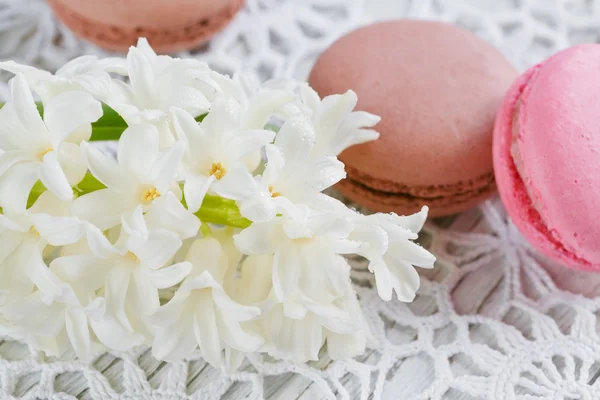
(159, 248)
(141, 75)
(165, 168)
(296, 139)
(39, 273)
(138, 150)
(97, 242)
(247, 142)
(275, 162)
(223, 118)
(287, 267)
(259, 238)
(78, 331)
(72, 162)
(105, 168)
(294, 340)
(143, 295)
(231, 309)
(262, 107)
(115, 291)
(12, 157)
(232, 333)
(194, 190)
(133, 224)
(54, 178)
(405, 280)
(324, 173)
(167, 212)
(68, 111)
(210, 264)
(237, 184)
(87, 273)
(27, 111)
(384, 280)
(16, 184)
(10, 241)
(164, 278)
(175, 342)
(59, 231)
(31, 74)
(13, 135)
(345, 346)
(258, 207)
(102, 208)
(169, 313)
(206, 331)
(113, 335)
(414, 222)
(411, 253)
(121, 94)
(189, 131)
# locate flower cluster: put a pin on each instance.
(209, 234)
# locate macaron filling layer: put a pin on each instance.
(523, 190)
(441, 195)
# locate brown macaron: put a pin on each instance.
(169, 25)
(437, 88)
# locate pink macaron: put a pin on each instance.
(547, 156)
(169, 25)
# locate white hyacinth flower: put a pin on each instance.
(51, 327)
(86, 73)
(131, 277)
(24, 235)
(215, 149)
(202, 315)
(337, 126)
(387, 242)
(34, 148)
(157, 83)
(308, 271)
(142, 174)
(297, 339)
(186, 241)
(291, 176)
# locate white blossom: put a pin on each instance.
(201, 314)
(387, 242)
(32, 147)
(210, 233)
(142, 174)
(291, 176)
(215, 149)
(157, 83)
(85, 73)
(337, 126)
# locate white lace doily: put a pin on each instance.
(493, 320)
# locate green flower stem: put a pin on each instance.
(220, 211)
(214, 209)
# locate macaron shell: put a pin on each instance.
(559, 143)
(512, 189)
(169, 25)
(432, 83)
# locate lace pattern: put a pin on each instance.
(493, 320)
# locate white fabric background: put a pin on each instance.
(493, 320)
